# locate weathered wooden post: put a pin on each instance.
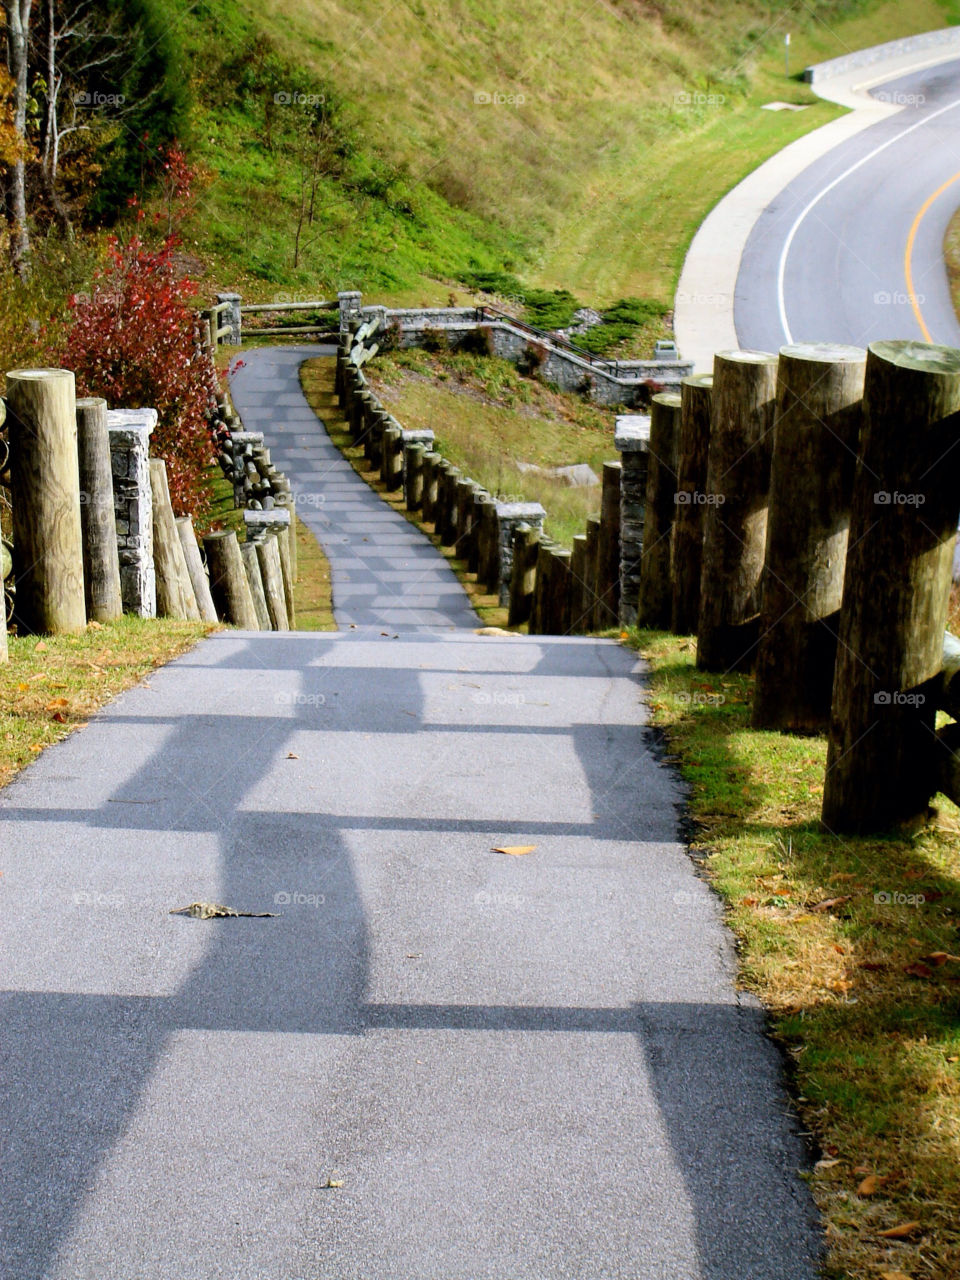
(428, 501)
(578, 559)
(286, 575)
(392, 469)
(696, 395)
(608, 550)
(488, 561)
(523, 575)
(175, 597)
(271, 573)
(413, 475)
(882, 760)
(45, 479)
(447, 522)
(815, 440)
(463, 497)
(198, 575)
(735, 525)
(251, 563)
(101, 561)
(476, 516)
(588, 598)
(228, 580)
(656, 581)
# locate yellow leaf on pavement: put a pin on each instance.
(516, 850)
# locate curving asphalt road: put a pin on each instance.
(827, 259)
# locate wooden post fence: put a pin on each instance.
(228, 580)
(656, 584)
(696, 395)
(175, 596)
(101, 560)
(882, 755)
(45, 480)
(815, 441)
(735, 525)
(198, 576)
(608, 550)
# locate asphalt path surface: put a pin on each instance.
(827, 260)
(508, 1067)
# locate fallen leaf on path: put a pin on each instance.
(55, 703)
(899, 1232)
(871, 1185)
(292, 755)
(918, 970)
(516, 850)
(828, 903)
(334, 1182)
(825, 1164)
(59, 718)
(939, 957)
(215, 911)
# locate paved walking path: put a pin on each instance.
(385, 573)
(519, 1068)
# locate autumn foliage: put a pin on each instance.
(134, 341)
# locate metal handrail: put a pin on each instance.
(547, 336)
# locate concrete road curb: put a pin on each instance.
(703, 306)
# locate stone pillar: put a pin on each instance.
(260, 524)
(130, 431)
(349, 309)
(232, 318)
(632, 440)
(509, 516)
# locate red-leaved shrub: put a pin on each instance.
(134, 340)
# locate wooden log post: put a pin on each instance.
(251, 563)
(431, 477)
(175, 595)
(101, 561)
(413, 455)
(608, 550)
(45, 481)
(198, 575)
(696, 396)
(271, 572)
(815, 440)
(447, 523)
(463, 496)
(881, 764)
(523, 573)
(473, 545)
(393, 458)
(656, 579)
(735, 524)
(631, 439)
(578, 560)
(488, 558)
(588, 597)
(228, 580)
(286, 575)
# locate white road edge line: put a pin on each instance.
(782, 267)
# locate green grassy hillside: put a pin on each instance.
(576, 145)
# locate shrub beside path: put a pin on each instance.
(435, 1060)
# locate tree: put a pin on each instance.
(17, 18)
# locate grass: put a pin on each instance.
(317, 380)
(52, 685)
(487, 417)
(864, 996)
(592, 177)
(951, 256)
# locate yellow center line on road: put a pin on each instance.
(908, 253)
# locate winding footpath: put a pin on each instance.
(434, 1061)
